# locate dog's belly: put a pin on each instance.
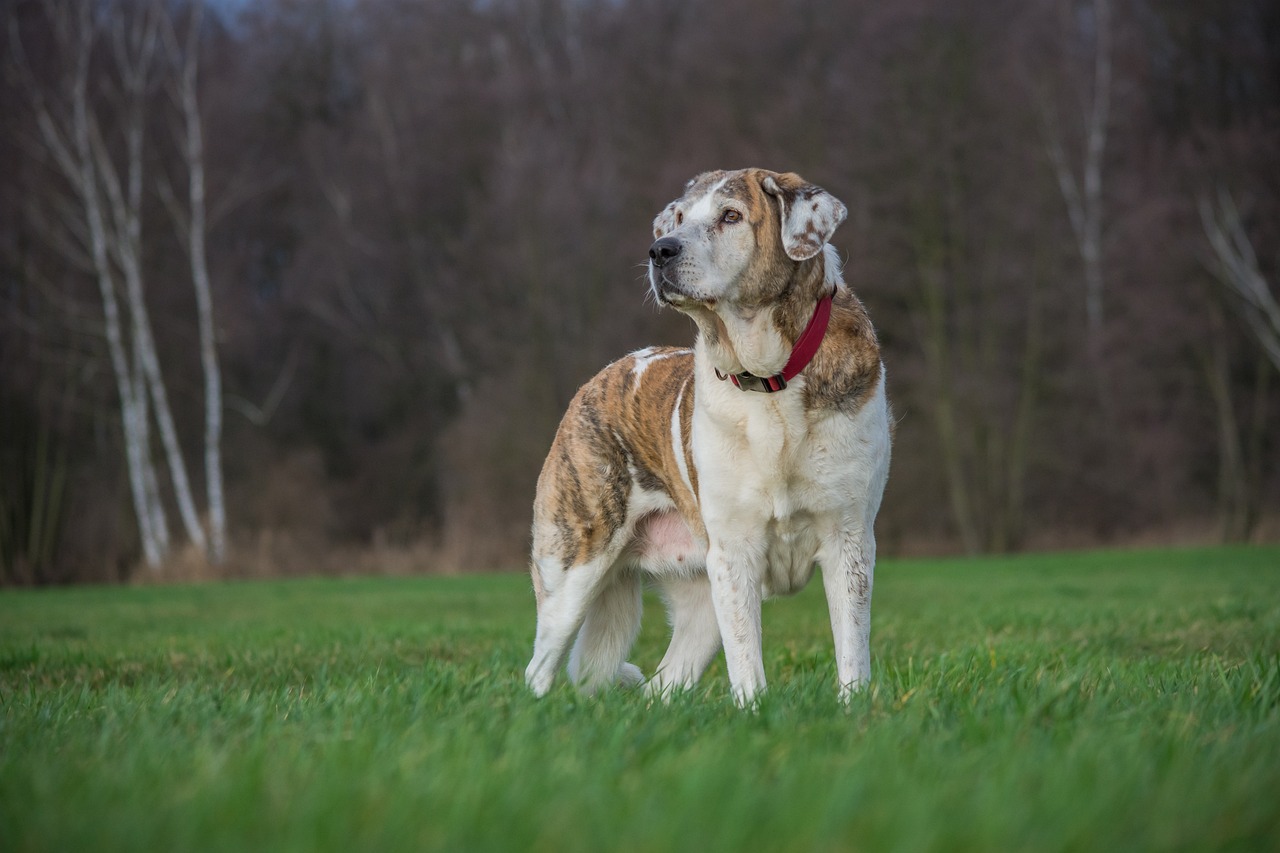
(663, 544)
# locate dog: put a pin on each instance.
(720, 473)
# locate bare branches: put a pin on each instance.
(1235, 265)
(382, 207)
(108, 180)
(261, 415)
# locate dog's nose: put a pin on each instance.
(663, 250)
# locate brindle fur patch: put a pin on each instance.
(616, 438)
(846, 369)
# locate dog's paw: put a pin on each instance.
(846, 691)
(660, 690)
(538, 682)
(629, 675)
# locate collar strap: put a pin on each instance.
(803, 352)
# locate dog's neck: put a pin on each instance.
(759, 340)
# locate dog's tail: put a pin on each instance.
(599, 656)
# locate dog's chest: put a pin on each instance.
(771, 474)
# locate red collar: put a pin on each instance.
(805, 349)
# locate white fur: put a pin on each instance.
(712, 257)
(811, 491)
(832, 267)
(677, 441)
(647, 356)
(695, 635)
(705, 208)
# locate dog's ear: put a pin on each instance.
(664, 221)
(809, 215)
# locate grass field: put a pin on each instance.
(1108, 701)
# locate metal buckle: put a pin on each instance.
(763, 384)
(751, 382)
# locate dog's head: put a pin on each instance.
(737, 237)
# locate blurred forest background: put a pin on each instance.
(294, 286)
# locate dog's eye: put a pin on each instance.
(731, 216)
(679, 217)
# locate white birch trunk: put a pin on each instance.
(1083, 196)
(1091, 242)
(126, 204)
(158, 520)
(78, 168)
(194, 154)
(112, 228)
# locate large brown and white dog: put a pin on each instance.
(724, 471)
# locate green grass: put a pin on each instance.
(1108, 701)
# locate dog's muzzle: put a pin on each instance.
(661, 253)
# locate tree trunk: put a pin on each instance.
(1232, 477)
(126, 206)
(112, 225)
(937, 355)
(1014, 510)
(193, 150)
(133, 408)
(1083, 196)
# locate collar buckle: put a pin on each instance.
(751, 382)
(805, 349)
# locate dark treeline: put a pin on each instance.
(425, 224)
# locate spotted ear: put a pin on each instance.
(809, 215)
(664, 221)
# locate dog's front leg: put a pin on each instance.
(735, 574)
(848, 568)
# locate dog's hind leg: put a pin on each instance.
(695, 636)
(599, 657)
(566, 594)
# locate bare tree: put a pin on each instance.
(108, 217)
(442, 198)
(65, 136)
(1082, 192)
(135, 46)
(399, 186)
(1240, 440)
(1235, 265)
(193, 226)
(975, 289)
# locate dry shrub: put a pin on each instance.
(490, 470)
(290, 509)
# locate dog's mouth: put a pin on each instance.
(667, 291)
(664, 289)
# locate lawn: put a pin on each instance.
(1102, 701)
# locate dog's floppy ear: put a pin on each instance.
(664, 221)
(809, 215)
